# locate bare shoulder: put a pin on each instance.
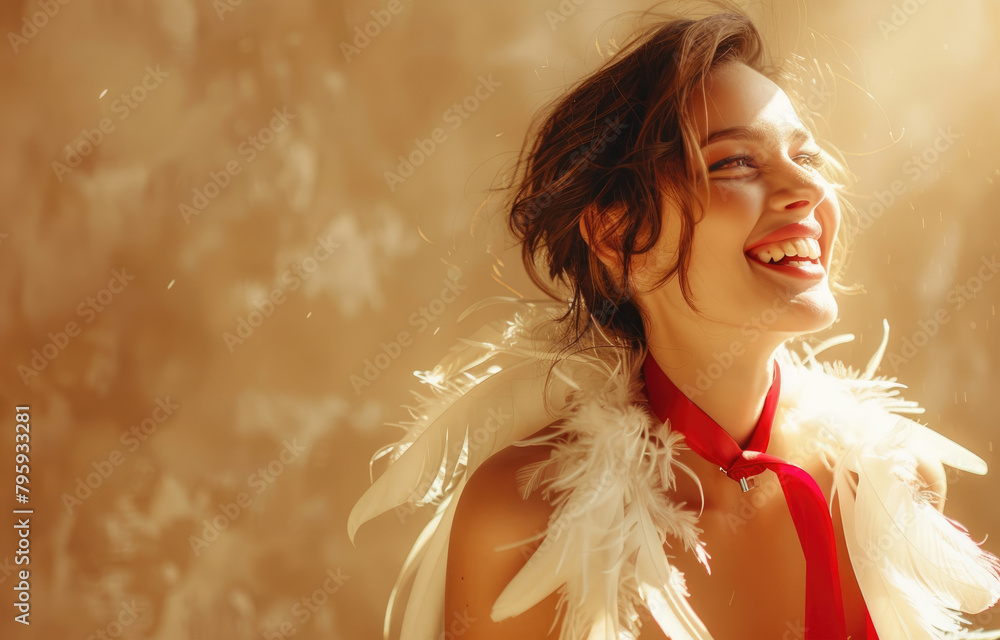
(493, 488)
(492, 513)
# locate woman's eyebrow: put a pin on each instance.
(756, 134)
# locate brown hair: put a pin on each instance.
(614, 149)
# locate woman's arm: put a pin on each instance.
(492, 513)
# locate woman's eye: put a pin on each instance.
(743, 161)
(733, 162)
(814, 160)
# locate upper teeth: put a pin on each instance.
(802, 247)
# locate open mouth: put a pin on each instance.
(801, 256)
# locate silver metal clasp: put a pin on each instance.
(746, 486)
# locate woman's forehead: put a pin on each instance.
(735, 96)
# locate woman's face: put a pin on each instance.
(764, 189)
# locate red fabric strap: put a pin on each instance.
(824, 615)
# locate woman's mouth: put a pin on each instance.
(799, 257)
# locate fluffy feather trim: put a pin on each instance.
(609, 483)
(917, 569)
(603, 550)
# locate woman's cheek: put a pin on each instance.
(736, 198)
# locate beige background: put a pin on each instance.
(224, 69)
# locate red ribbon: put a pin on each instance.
(824, 615)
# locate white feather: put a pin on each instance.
(916, 570)
(465, 388)
(427, 594)
(609, 483)
(662, 587)
(609, 488)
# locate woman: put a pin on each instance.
(697, 226)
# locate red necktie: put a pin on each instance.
(824, 616)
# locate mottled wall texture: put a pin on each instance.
(200, 246)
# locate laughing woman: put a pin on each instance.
(653, 459)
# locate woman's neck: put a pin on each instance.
(719, 368)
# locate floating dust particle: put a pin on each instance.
(421, 233)
(507, 286)
(308, 314)
(171, 284)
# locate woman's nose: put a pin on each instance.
(796, 186)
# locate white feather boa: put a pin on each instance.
(610, 487)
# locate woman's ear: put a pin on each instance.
(598, 230)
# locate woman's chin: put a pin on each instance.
(814, 314)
